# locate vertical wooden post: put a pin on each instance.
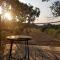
(10, 53)
(26, 56)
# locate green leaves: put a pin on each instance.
(23, 10)
(55, 8)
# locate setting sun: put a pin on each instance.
(8, 16)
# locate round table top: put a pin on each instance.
(19, 37)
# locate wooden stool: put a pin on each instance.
(17, 39)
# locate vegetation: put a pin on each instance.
(45, 0)
(52, 30)
(55, 8)
(23, 13)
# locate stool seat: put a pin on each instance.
(18, 37)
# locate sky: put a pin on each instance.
(45, 15)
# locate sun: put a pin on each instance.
(8, 16)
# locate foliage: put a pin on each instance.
(55, 8)
(22, 11)
(52, 30)
(45, 0)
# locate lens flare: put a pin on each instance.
(8, 16)
(0, 10)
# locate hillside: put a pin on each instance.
(41, 41)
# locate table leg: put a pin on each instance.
(26, 57)
(10, 53)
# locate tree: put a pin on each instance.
(23, 12)
(55, 8)
(45, 0)
(33, 13)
